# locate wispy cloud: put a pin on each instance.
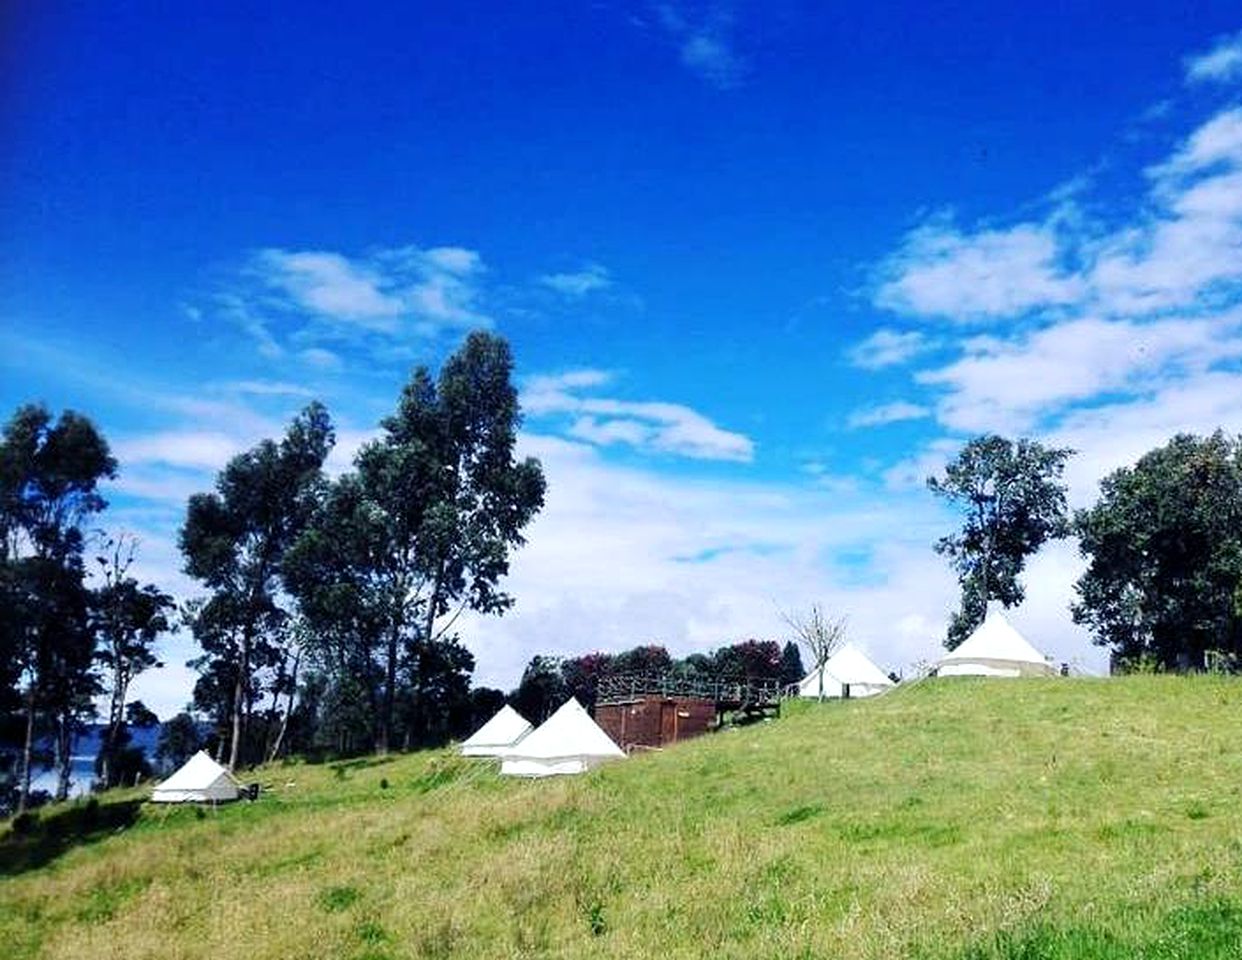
(888, 413)
(888, 348)
(968, 277)
(1181, 251)
(648, 426)
(591, 278)
(1220, 64)
(705, 44)
(266, 388)
(299, 299)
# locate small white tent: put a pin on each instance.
(848, 667)
(569, 741)
(504, 731)
(995, 649)
(200, 780)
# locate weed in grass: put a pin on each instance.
(799, 814)
(1197, 811)
(336, 899)
(372, 933)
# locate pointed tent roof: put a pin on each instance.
(505, 729)
(997, 641)
(200, 777)
(570, 732)
(850, 665)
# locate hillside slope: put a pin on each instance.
(957, 818)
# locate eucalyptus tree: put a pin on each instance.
(50, 471)
(234, 541)
(1012, 501)
(421, 531)
(127, 620)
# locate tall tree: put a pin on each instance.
(50, 471)
(127, 619)
(791, 664)
(749, 660)
(1013, 501)
(435, 507)
(179, 740)
(820, 633)
(234, 541)
(541, 689)
(1164, 552)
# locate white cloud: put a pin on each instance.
(652, 427)
(887, 413)
(939, 271)
(267, 388)
(205, 449)
(1220, 64)
(888, 348)
(331, 285)
(590, 279)
(1011, 384)
(1182, 248)
(705, 47)
(307, 297)
(321, 358)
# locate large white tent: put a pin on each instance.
(200, 780)
(848, 670)
(569, 741)
(995, 649)
(501, 733)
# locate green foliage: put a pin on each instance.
(420, 532)
(1164, 548)
(792, 670)
(1012, 501)
(178, 741)
(50, 471)
(234, 540)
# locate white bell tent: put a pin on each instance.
(504, 731)
(995, 649)
(569, 741)
(850, 672)
(200, 780)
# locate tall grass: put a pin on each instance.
(954, 819)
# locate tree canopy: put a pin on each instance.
(1164, 552)
(1012, 501)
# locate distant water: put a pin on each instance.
(82, 760)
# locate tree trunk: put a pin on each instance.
(284, 723)
(239, 695)
(64, 754)
(27, 750)
(116, 713)
(390, 683)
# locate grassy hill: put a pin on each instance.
(954, 819)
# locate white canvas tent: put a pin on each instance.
(995, 649)
(848, 667)
(505, 730)
(200, 780)
(569, 741)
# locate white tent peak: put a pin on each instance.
(199, 779)
(503, 731)
(848, 666)
(569, 741)
(995, 649)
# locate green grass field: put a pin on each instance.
(954, 819)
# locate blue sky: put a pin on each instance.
(763, 267)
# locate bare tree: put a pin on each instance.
(821, 634)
